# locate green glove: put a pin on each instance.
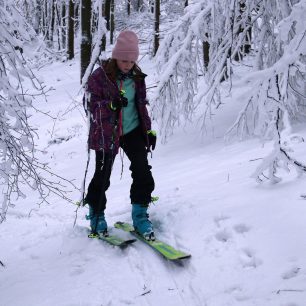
(152, 139)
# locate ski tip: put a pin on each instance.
(187, 256)
(181, 262)
(178, 258)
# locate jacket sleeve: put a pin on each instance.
(96, 89)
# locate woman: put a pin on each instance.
(119, 117)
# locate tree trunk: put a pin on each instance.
(246, 48)
(112, 21)
(129, 7)
(70, 30)
(156, 26)
(38, 17)
(151, 4)
(77, 15)
(52, 21)
(206, 47)
(139, 5)
(85, 35)
(63, 24)
(58, 28)
(60, 25)
(45, 20)
(186, 3)
(107, 13)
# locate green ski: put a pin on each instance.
(113, 240)
(162, 248)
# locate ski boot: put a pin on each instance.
(141, 221)
(98, 224)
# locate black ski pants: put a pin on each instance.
(142, 186)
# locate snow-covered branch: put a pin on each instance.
(274, 32)
(280, 156)
(270, 97)
(98, 44)
(19, 166)
(178, 72)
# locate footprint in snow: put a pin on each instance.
(241, 228)
(77, 270)
(223, 235)
(293, 272)
(34, 257)
(233, 289)
(248, 258)
(220, 219)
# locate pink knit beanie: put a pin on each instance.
(126, 47)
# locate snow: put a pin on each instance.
(247, 240)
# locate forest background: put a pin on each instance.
(239, 65)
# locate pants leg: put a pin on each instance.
(142, 186)
(100, 182)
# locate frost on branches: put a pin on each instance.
(271, 36)
(18, 165)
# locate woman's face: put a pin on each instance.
(125, 66)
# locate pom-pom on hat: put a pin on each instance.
(126, 47)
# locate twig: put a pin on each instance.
(255, 159)
(289, 290)
(145, 293)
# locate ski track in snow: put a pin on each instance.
(246, 241)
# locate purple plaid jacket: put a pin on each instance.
(105, 123)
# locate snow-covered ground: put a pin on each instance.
(247, 240)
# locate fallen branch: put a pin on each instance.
(289, 290)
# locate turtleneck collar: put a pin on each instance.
(124, 76)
